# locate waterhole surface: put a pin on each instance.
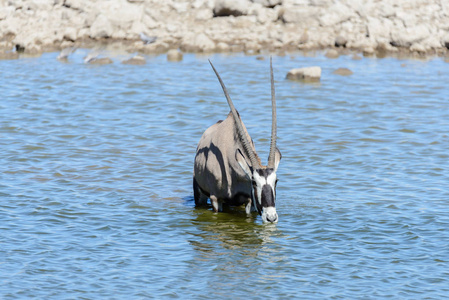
(96, 171)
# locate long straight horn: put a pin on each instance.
(271, 156)
(247, 148)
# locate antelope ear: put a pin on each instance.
(277, 158)
(243, 163)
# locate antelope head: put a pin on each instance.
(263, 178)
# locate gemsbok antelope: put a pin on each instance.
(227, 168)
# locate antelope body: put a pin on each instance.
(228, 170)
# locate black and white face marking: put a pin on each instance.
(264, 194)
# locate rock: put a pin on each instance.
(332, 53)
(137, 60)
(301, 15)
(198, 43)
(179, 6)
(308, 74)
(343, 72)
(418, 47)
(101, 27)
(336, 14)
(157, 47)
(149, 22)
(225, 8)
(252, 48)
(368, 51)
(222, 47)
(405, 37)
(340, 41)
(304, 37)
(174, 55)
(268, 3)
(356, 57)
(70, 34)
(121, 14)
(204, 14)
(263, 15)
(75, 4)
(379, 29)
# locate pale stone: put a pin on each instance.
(136, 60)
(120, 14)
(136, 29)
(368, 51)
(157, 47)
(408, 36)
(386, 10)
(335, 14)
(35, 5)
(343, 72)
(222, 47)
(101, 27)
(432, 42)
(70, 33)
(180, 7)
(304, 37)
(198, 4)
(200, 42)
(418, 47)
(172, 27)
(204, 42)
(204, 14)
(263, 15)
(75, 4)
(305, 16)
(174, 55)
(235, 8)
(340, 41)
(308, 74)
(6, 12)
(84, 33)
(332, 53)
(268, 3)
(149, 22)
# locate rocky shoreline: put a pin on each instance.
(376, 27)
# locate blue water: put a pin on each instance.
(96, 169)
